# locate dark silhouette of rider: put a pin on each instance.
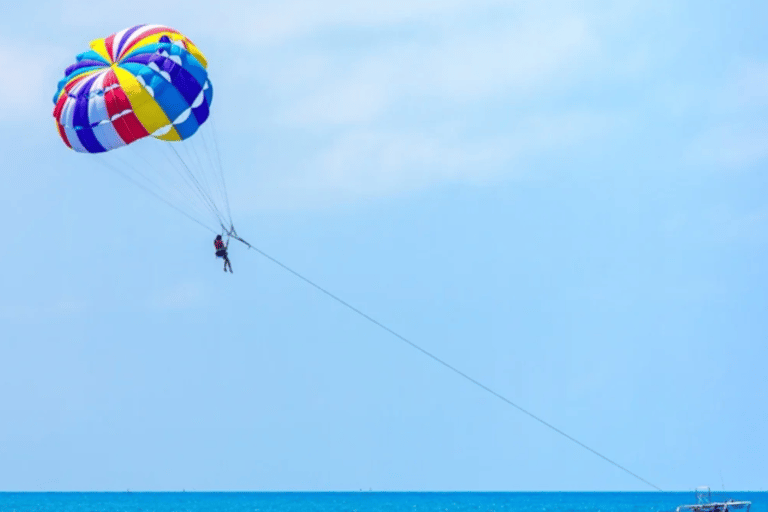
(221, 252)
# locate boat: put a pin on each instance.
(704, 504)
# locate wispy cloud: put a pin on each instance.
(367, 163)
(276, 22)
(737, 133)
(183, 295)
(270, 22)
(747, 226)
(731, 146)
(70, 306)
(507, 62)
(747, 89)
(31, 76)
(724, 224)
(404, 111)
(385, 98)
(63, 307)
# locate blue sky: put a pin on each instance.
(564, 199)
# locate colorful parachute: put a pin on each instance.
(144, 80)
(141, 81)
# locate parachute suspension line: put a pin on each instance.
(218, 187)
(180, 166)
(191, 147)
(158, 196)
(141, 186)
(214, 210)
(202, 177)
(221, 184)
(221, 167)
(450, 367)
(150, 40)
(199, 198)
(184, 192)
(192, 181)
(150, 165)
(128, 164)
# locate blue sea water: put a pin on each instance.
(361, 501)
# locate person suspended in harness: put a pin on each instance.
(221, 252)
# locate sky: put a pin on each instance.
(565, 200)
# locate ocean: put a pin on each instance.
(360, 501)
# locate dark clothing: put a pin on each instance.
(221, 252)
(221, 249)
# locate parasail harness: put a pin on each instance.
(231, 233)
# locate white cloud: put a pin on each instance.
(372, 163)
(381, 161)
(748, 89)
(366, 163)
(386, 148)
(66, 306)
(360, 96)
(344, 81)
(70, 306)
(184, 295)
(730, 146)
(737, 136)
(507, 62)
(276, 21)
(30, 79)
(750, 226)
(265, 22)
(723, 224)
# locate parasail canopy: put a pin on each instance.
(148, 80)
(144, 80)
